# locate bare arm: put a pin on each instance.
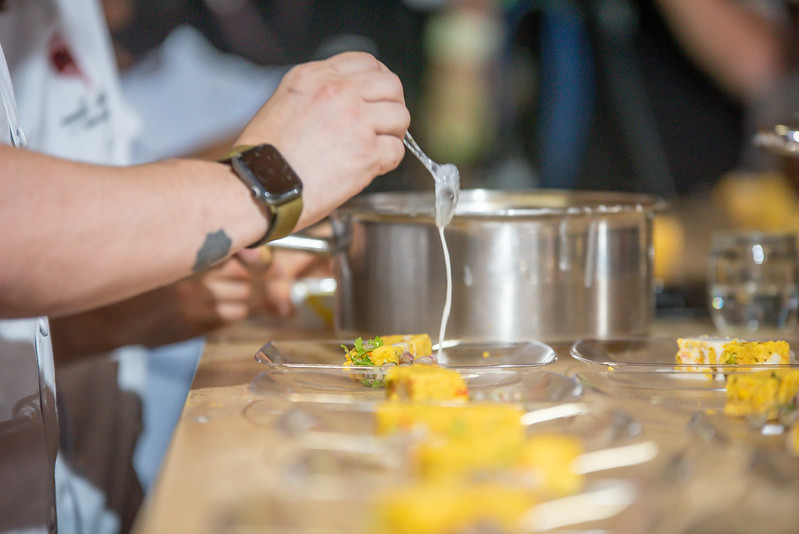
(79, 236)
(743, 50)
(251, 283)
(86, 235)
(188, 308)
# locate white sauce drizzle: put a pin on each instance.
(447, 189)
(447, 185)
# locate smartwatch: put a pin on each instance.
(274, 185)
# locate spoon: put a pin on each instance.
(447, 182)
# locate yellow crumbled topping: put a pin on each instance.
(421, 382)
(793, 440)
(752, 352)
(764, 392)
(418, 345)
(449, 507)
(465, 456)
(457, 440)
(551, 458)
(448, 420)
(476, 439)
(386, 354)
(698, 350)
(692, 351)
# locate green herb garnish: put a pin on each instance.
(362, 350)
(372, 382)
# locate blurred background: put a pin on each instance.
(653, 96)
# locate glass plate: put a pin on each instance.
(332, 452)
(328, 354)
(693, 391)
(611, 505)
(690, 391)
(649, 353)
(695, 402)
(484, 384)
(355, 423)
(319, 365)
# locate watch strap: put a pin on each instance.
(283, 218)
(235, 151)
(282, 222)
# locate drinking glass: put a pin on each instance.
(752, 283)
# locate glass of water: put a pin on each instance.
(752, 283)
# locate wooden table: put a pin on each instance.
(218, 460)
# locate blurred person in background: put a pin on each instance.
(661, 100)
(130, 239)
(603, 94)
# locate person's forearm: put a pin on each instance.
(78, 236)
(155, 318)
(185, 309)
(735, 44)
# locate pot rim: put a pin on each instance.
(493, 203)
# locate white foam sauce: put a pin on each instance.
(447, 188)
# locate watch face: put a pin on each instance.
(266, 168)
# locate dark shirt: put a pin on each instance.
(658, 123)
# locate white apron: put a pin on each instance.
(59, 55)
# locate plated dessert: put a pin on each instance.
(770, 394)
(392, 350)
(428, 382)
(683, 353)
(764, 392)
(387, 351)
(477, 463)
(451, 507)
(725, 351)
(464, 454)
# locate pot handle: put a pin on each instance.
(328, 245)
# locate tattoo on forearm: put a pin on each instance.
(215, 247)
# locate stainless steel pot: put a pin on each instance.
(537, 264)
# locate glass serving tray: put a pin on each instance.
(697, 401)
(323, 441)
(677, 389)
(328, 354)
(703, 392)
(319, 365)
(317, 425)
(330, 452)
(612, 505)
(527, 387)
(650, 353)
